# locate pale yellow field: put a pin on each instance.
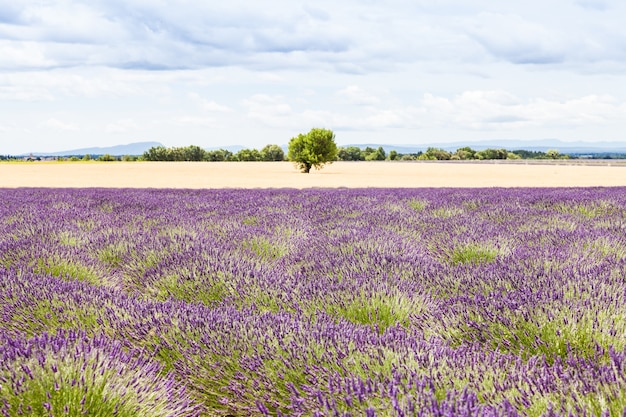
(285, 175)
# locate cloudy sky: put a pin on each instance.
(82, 73)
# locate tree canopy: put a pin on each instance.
(196, 153)
(272, 153)
(313, 150)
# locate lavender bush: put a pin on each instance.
(477, 302)
(71, 375)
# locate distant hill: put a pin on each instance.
(136, 148)
(511, 145)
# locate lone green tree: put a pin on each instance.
(314, 149)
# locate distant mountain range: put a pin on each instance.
(138, 148)
(132, 149)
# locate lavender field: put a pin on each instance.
(315, 302)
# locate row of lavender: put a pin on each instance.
(481, 302)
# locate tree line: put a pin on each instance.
(196, 153)
(349, 153)
(354, 153)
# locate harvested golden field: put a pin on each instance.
(285, 175)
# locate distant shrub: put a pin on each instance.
(107, 158)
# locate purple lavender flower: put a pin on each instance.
(425, 302)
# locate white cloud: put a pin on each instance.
(479, 110)
(488, 110)
(208, 105)
(351, 37)
(518, 40)
(276, 112)
(169, 71)
(214, 107)
(359, 96)
(23, 54)
(92, 83)
(10, 12)
(61, 22)
(269, 110)
(317, 13)
(196, 121)
(600, 5)
(122, 126)
(59, 125)
(23, 93)
(564, 37)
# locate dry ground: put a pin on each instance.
(285, 175)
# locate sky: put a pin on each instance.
(84, 73)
